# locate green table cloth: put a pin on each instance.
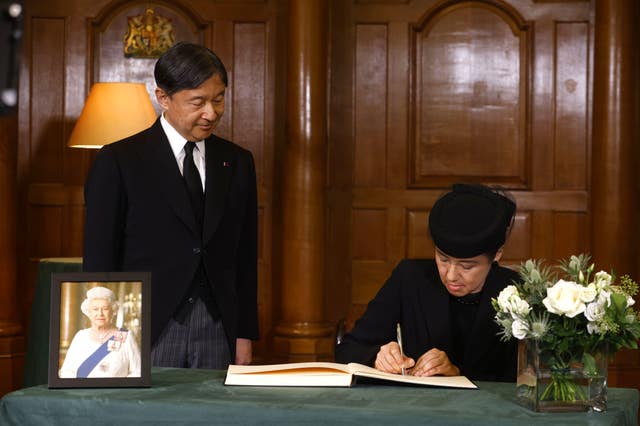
(199, 397)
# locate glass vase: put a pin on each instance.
(546, 385)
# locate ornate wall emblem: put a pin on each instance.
(148, 35)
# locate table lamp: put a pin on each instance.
(112, 112)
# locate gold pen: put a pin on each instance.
(399, 338)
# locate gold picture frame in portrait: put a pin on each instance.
(100, 329)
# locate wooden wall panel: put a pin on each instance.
(369, 252)
(518, 245)
(8, 230)
(398, 101)
(570, 234)
(368, 277)
(73, 225)
(397, 234)
(370, 102)
(223, 46)
(12, 342)
(541, 238)
(571, 100)
(419, 245)
(471, 91)
(542, 117)
(367, 225)
(46, 146)
(340, 169)
(249, 75)
(45, 234)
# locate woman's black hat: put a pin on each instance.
(470, 220)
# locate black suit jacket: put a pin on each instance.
(139, 218)
(415, 297)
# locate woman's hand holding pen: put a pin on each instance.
(391, 360)
(434, 362)
(431, 363)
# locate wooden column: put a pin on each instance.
(303, 333)
(614, 191)
(11, 332)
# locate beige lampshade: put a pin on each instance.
(112, 112)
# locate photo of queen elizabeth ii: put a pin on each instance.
(106, 348)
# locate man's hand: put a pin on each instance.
(390, 360)
(435, 362)
(243, 351)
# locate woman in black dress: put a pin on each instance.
(444, 305)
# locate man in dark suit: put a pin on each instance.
(181, 202)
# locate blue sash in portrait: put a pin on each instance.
(90, 363)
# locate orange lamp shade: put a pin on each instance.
(112, 112)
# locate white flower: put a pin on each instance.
(510, 302)
(604, 298)
(630, 301)
(564, 299)
(505, 295)
(602, 280)
(588, 293)
(593, 328)
(519, 307)
(594, 311)
(519, 329)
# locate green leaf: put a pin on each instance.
(589, 363)
(619, 302)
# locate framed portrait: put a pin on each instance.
(100, 329)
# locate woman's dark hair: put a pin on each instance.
(187, 66)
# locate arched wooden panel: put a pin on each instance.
(470, 97)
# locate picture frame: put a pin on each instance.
(100, 327)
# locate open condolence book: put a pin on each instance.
(327, 374)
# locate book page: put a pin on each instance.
(292, 374)
(294, 367)
(327, 374)
(443, 381)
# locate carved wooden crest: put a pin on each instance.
(148, 35)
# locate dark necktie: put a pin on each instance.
(194, 184)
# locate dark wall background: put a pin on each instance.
(10, 36)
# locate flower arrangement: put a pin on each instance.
(570, 313)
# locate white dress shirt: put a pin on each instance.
(177, 143)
